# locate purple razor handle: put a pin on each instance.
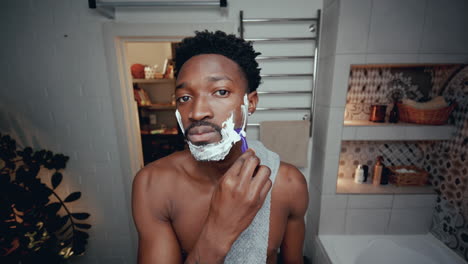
(244, 146)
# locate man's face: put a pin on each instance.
(209, 89)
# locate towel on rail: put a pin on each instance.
(289, 139)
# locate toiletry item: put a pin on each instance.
(366, 173)
(377, 113)
(394, 114)
(385, 175)
(152, 121)
(378, 167)
(359, 175)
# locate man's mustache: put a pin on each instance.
(202, 123)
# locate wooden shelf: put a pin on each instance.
(159, 107)
(361, 130)
(153, 80)
(348, 186)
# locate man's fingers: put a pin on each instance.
(235, 169)
(247, 170)
(261, 178)
(265, 189)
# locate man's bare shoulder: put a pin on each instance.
(163, 173)
(290, 177)
(291, 184)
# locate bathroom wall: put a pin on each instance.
(372, 32)
(55, 94)
(447, 162)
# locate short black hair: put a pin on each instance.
(230, 46)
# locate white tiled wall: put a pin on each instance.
(377, 31)
(396, 26)
(376, 214)
(354, 25)
(366, 221)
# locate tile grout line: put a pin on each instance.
(346, 214)
(387, 228)
(369, 29)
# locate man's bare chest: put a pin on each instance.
(189, 214)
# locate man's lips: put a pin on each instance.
(203, 134)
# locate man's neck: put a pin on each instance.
(214, 170)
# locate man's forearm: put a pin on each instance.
(209, 249)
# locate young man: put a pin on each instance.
(216, 202)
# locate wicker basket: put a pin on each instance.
(418, 178)
(410, 114)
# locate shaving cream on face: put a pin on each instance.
(229, 136)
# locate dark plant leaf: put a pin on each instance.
(28, 150)
(83, 226)
(4, 180)
(62, 232)
(53, 208)
(67, 242)
(53, 225)
(21, 174)
(81, 236)
(10, 165)
(56, 179)
(63, 221)
(80, 216)
(59, 161)
(48, 155)
(73, 197)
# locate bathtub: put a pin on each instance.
(387, 249)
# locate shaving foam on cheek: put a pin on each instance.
(214, 151)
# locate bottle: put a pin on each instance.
(359, 174)
(377, 171)
(394, 115)
(385, 175)
(152, 121)
(366, 173)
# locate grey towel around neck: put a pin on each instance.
(251, 246)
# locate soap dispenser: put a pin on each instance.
(359, 174)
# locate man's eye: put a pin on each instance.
(183, 99)
(222, 92)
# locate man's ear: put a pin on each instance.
(253, 100)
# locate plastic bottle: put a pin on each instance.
(359, 175)
(366, 173)
(394, 114)
(385, 175)
(378, 167)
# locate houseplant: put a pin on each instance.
(36, 224)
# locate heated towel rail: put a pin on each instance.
(314, 27)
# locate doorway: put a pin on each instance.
(151, 65)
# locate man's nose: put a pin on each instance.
(201, 110)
